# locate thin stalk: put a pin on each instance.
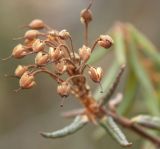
(54, 76)
(72, 48)
(86, 34)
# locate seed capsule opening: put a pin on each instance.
(105, 41)
(96, 74)
(63, 89)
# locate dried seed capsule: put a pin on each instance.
(26, 81)
(41, 58)
(36, 24)
(28, 42)
(55, 54)
(53, 33)
(38, 45)
(19, 51)
(70, 69)
(95, 74)
(31, 34)
(105, 41)
(75, 57)
(60, 67)
(84, 53)
(86, 16)
(20, 70)
(64, 35)
(63, 89)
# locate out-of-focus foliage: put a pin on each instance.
(23, 115)
(143, 71)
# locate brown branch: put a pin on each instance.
(113, 103)
(113, 86)
(138, 129)
(135, 128)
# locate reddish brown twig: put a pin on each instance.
(126, 123)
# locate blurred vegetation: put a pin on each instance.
(143, 71)
(23, 115)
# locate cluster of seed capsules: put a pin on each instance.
(54, 50)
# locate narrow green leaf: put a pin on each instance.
(148, 91)
(78, 123)
(152, 122)
(146, 45)
(113, 86)
(112, 128)
(148, 145)
(98, 54)
(120, 60)
(149, 50)
(119, 45)
(129, 94)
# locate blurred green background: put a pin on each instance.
(23, 115)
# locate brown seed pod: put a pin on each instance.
(70, 69)
(64, 35)
(105, 41)
(19, 51)
(20, 70)
(75, 57)
(86, 16)
(32, 34)
(27, 81)
(41, 58)
(84, 53)
(28, 42)
(36, 24)
(38, 45)
(55, 54)
(53, 33)
(63, 89)
(95, 74)
(60, 67)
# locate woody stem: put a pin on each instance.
(136, 128)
